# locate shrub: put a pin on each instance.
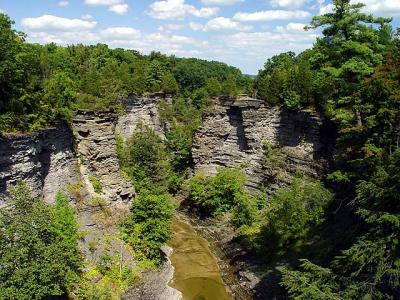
(293, 212)
(245, 211)
(147, 226)
(216, 195)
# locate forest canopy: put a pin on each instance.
(42, 85)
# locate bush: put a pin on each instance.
(292, 213)
(216, 195)
(147, 226)
(38, 246)
(146, 157)
(245, 211)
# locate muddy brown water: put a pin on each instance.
(197, 274)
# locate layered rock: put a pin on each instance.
(234, 133)
(140, 110)
(97, 152)
(44, 160)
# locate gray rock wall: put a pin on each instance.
(140, 110)
(44, 160)
(233, 136)
(97, 152)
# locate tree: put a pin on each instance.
(229, 87)
(147, 225)
(38, 247)
(213, 87)
(60, 96)
(292, 213)
(349, 51)
(169, 84)
(146, 160)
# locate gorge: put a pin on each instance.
(231, 135)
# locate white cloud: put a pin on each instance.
(2, 11)
(170, 27)
(387, 8)
(196, 26)
(220, 2)
(103, 2)
(178, 9)
(269, 15)
(326, 9)
(295, 26)
(63, 3)
(277, 41)
(51, 23)
(119, 9)
(86, 17)
(222, 23)
(63, 38)
(116, 6)
(288, 3)
(120, 33)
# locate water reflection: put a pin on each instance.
(197, 274)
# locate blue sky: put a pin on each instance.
(243, 33)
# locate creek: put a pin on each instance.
(196, 274)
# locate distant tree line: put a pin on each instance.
(42, 85)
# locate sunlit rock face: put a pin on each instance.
(141, 110)
(96, 149)
(233, 135)
(44, 160)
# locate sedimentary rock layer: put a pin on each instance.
(233, 134)
(44, 160)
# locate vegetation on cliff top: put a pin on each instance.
(43, 85)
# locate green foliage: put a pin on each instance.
(245, 212)
(184, 118)
(292, 213)
(229, 88)
(96, 183)
(43, 85)
(38, 246)
(169, 84)
(200, 99)
(314, 282)
(145, 159)
(273, 158)
(147, 226)
(221, 193)
(287, 80)
(213, 87)
(359, 87)
(347, 53)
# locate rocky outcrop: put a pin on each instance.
(234, 133)
(140, 110)
(44, 160)
(97, 152)
(155, 286)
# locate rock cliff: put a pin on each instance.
(97, 152)
(240, 133)
(141, 110)
(44, 160)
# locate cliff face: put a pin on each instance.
(97, 152)
(140, 110)
(269, 144)
(44, 160)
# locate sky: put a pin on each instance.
(242, 33)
